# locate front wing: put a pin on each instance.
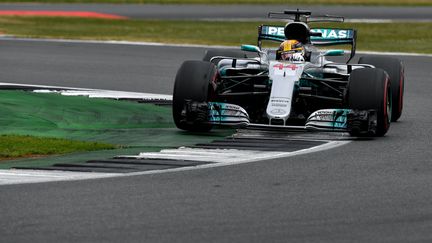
(328, 120)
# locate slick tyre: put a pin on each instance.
(369, 89)
(395, 69)
(192, 83)
(222, 52)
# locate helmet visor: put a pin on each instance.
(288, 55)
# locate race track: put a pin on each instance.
(366, 191)
(233, 12)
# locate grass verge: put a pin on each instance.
(304, 2)
(395, 37)
(136, 127)
(15, 146)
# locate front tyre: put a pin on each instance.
(192, 84)
(369, 89)
(395, 69)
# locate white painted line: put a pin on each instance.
(347, 20)
(8, 177)
(91, 93)
(109, 94)
(112, 42)
(394, 53)
(10, 38)
(205, 155)
(41, 86)
(379, 21)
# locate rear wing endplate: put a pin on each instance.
(329, 36)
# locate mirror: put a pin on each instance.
(332, 53)
(250, 48)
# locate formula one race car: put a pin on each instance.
(293, 86)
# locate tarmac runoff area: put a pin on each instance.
(47, 13)
(244, 146)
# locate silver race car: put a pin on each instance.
(293, 86)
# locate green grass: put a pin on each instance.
(135, 126)
(394, 37)
(15, 146)
(304, 2)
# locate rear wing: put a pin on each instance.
(329, 36)
(272, 33)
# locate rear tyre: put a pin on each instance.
(224, 53)
(395, 69)
(369, 88)
(192, 83)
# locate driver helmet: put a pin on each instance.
(291, 50)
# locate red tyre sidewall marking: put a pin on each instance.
(386, 117)
(401, 83)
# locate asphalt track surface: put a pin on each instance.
(153, 11)
(366, 191)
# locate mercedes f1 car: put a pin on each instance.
(255, 85)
